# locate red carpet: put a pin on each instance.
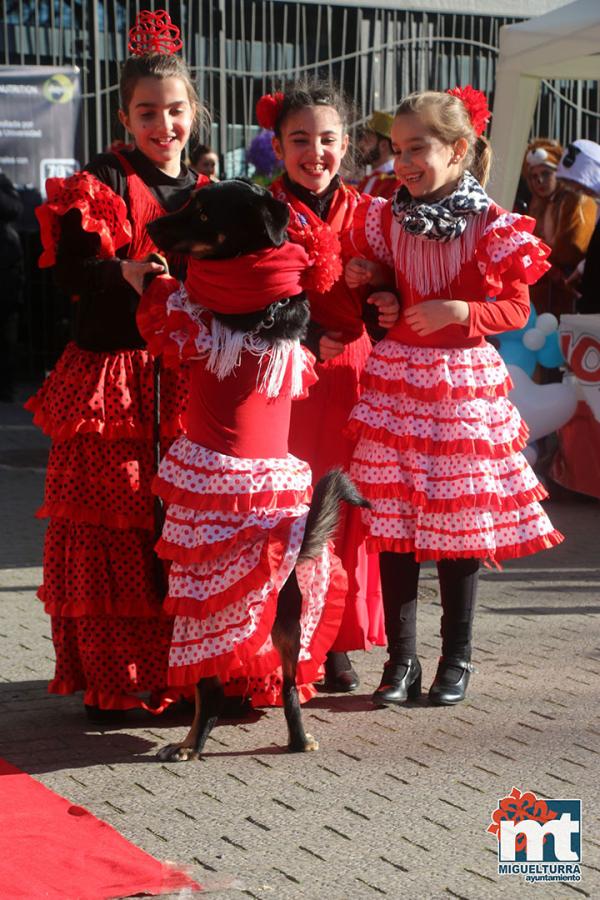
(50, 848)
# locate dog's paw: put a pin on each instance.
(176, 753)
(150, 276)
(304, 746)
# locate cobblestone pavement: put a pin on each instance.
(396, 802)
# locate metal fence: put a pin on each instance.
(238, 49)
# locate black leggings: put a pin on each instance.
(458, 591)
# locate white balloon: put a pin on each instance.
(534, 339)
(544, 407)
(546, 323)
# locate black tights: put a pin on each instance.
(458, 591)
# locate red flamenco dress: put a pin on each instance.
(102, 581)
(438, 442)
(316, 431)
(236, 500)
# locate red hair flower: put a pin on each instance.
(267, 110)
(476, 104)
(153, 32)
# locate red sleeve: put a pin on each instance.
(367, 237)
(509, 257)
(171, 324)
(103, 213)
(508, 311)
(508, 250)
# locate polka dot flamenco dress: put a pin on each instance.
(316, 429)
(236, 511)
(438, 441)
(102, 582)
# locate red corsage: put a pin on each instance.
(476, 104)
(268, 109)
(324, 252)
(154, 32)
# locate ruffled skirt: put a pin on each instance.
(103, 585)
(233, 531)
(438, 455)
(317, 435)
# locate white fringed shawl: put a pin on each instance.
(226, 353)
(428, 265)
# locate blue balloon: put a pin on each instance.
(514, 353)
(551, 355)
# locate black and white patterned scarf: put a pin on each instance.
(443, 221)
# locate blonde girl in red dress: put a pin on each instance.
(102, 585)
(437, 440)
(309, 122)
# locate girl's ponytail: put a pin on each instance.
(482, 160)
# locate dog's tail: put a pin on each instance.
(323, 516)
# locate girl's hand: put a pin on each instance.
(430, 316)
(330, 345)
(388, 308)
(134, 271)
(361, 271)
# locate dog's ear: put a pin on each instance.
(277, 218)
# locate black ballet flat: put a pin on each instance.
(451, 681)
(340, 677)
(401, 681)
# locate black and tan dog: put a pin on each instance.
(222, 221)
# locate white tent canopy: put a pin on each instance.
(564, 43)
(516, 8)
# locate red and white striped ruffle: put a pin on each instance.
(445, 483)
(233, 530)
(193, 476)
(436, 373)
(471, 532)
(478, 427)
(440, 462)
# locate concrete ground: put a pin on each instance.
(396, 802)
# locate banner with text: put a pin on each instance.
(39, 109)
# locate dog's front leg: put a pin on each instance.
(286, 638)
(209, 702)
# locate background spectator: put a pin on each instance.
(565, 218)
(205, 161)
(375, 147)
(580, 168)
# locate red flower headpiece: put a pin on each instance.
(267, 110)
(476, 104)
(154, 32)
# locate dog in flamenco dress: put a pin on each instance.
(224, 222)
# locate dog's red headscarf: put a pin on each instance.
(247, 283)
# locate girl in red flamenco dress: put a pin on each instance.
(102, 584)
(309, 123)
(437, 440)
